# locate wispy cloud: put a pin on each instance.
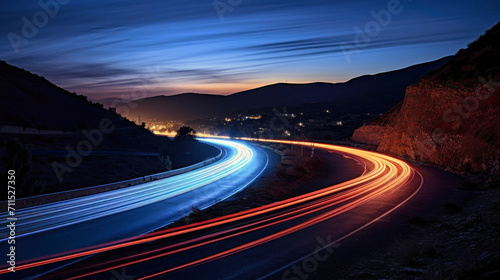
(105, 47)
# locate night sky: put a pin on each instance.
(115, 48)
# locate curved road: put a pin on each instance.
(95, 219)
(258, 242)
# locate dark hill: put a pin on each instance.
(385, 89)
(378, 92)
(29, 100)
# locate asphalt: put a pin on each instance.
(318, 251)
(438, 188)
(253, 263)
(132, 222)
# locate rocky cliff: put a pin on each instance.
(451, 116)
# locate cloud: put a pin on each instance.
(344, 43)
(103, 47)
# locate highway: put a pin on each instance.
(99, 218)
(259, 242)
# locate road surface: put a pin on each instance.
(104, 217)
(259, 242)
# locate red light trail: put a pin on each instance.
(382, 175)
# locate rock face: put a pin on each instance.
(450, 117)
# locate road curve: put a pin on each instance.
(173, 253)
(94, 219)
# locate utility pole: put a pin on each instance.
(139, 120)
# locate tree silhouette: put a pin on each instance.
(185, 134)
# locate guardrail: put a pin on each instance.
(64, 195)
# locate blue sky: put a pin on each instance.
(135, 48)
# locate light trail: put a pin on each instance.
(63, 213)
(383, 174)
